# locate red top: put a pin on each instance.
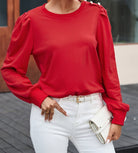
(74, 52)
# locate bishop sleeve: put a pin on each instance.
(105, 48)
(15, 65)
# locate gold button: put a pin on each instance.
(77, 99)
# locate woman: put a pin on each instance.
(72, 45)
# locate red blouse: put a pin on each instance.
(74, 53)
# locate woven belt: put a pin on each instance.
(82, 98)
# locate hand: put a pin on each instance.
(48, 105)
(114, 132)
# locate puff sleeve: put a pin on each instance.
(105, 48)
(15, 65)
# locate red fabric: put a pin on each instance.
(74, 52)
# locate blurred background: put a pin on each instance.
(123, 15)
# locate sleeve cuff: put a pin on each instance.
(37, 96)
(119, 117)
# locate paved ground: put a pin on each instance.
(14, 124)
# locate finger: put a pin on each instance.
(42, 112)
(51, 113)
(115, 137)
(58, 107)
(109, 137)
(47, 114)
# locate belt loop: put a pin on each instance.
(91, 98)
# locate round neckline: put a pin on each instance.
(52, 14)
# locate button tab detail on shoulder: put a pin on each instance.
(99, 3)
(91, 2)
(96, 4)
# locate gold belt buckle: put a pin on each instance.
(77, 99)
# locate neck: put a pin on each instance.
(64, 4)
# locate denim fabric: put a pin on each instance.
(53, 136)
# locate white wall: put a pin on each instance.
(127, 63)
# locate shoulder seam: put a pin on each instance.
(98, 4)
(28, 16)
(93, 3)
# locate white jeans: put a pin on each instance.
(53, 136)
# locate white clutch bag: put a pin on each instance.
(100, 123)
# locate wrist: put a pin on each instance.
(43, 101)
